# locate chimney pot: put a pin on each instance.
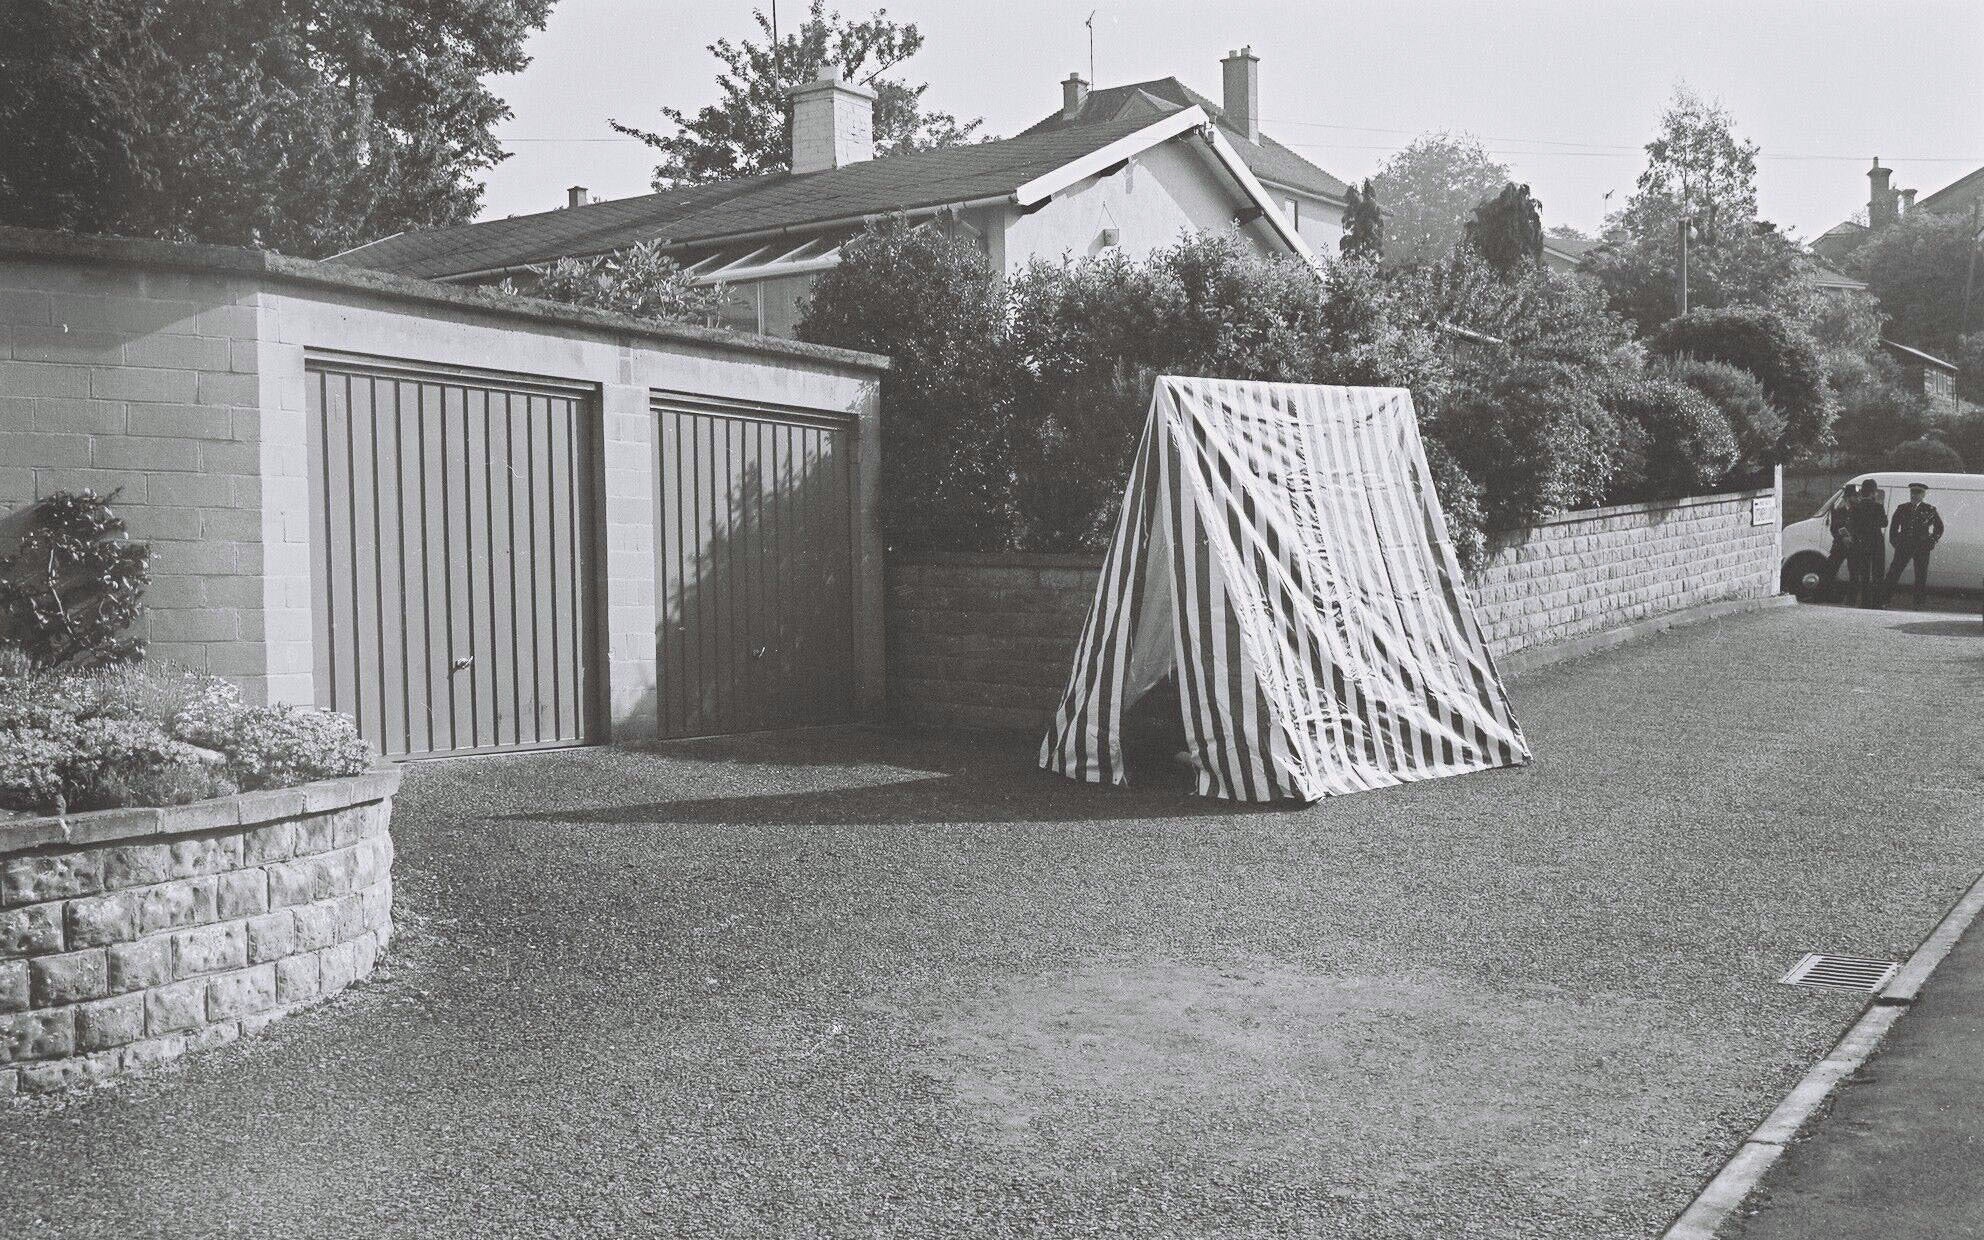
(575, 196)
(833, 123)
(1881, 198)
(1240, 74)
(1074, 93)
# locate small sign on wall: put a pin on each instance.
(1763, 510)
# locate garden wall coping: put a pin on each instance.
(243, 809)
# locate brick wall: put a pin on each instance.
(986, 641)
(132, 936)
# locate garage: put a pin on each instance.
(755, 564)
(454, 572)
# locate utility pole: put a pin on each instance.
(1970, 277)
(1686, 227)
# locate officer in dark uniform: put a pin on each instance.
(1869, 524)
(1840, 521)
(1916, 529)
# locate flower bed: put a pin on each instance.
(132, 736)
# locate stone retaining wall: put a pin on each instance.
(128, 937)
(986, 640)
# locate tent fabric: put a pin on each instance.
(1282, 553)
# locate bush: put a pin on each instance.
(640, 281)
(929, 300)
(1928, 454)
(1673, 441)
(1756, 422)
(1783, 357)
(73, 584)
(123, 736)
(1538, 439)
(1460, 500)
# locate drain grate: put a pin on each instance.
(1840, 972)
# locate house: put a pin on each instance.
(1562, 253)
(1928, 374)
(1886, 204)
(1126, 168)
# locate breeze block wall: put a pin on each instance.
(986, 641)
(131, 936)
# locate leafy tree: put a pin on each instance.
(1781, 355)
(1431, 188)
(1700, 173)
(1673, 441)
(1536, 435)
(1876, 409)
(641, 281)
(1928, 454)
(74, 584)
(748, 131)
(1970, 366)
(1537, 312)
(1363, 223)
(307, 126)
(930, 301)
(1917, 268)
(1507, 230)
(1755, 421)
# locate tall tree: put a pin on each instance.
(1700, 176)
(1431, 188)
(748, 130)
(1917, 268)
(1507, 230)
(307, 126)
(1363, 223)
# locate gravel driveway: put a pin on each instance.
(858, 984)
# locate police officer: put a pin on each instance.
(1840, 521)
(1915, 530)
(1868, 523)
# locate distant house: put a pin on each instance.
(1886, 204)
(1928, 374)
(1565, 253)
(1127, 168)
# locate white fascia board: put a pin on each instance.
(1048, 184)
(1253, 188)
(1299, 192)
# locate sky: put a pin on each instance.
(1565, 93)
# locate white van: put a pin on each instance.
(1956, 564)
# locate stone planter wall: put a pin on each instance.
(128, 937)
(985, 641)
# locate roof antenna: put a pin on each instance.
(1090, 23)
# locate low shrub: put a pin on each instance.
(1536, 437)
(1757, 423)
(132, 736)
(73, 584)
(1928, 454)
(1673, 441)
(1783, 357)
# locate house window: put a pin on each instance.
(741, 310)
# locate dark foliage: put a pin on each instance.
(308, 126)
(73, 584)
(1672, 439)
(1755, 422)
(1783, 358)
(1507, 230)
(1928, 454)
(1363, 223)
(1536, 435)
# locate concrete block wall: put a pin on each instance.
(144, 383)
(128, 937)
(986, 641)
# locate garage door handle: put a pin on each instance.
(461, 664)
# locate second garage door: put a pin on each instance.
(755, 560)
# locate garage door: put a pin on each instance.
(454, 558)
(755, 561)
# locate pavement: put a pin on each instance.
(874, 984)
(1897, 1157)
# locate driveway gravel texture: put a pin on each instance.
(863, 983)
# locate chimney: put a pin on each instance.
(833, 123)
(1880, 199)
(1907, 204)
(1074, 93)
(575, 196)
(1241, 75)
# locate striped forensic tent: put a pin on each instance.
(1282, 554)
